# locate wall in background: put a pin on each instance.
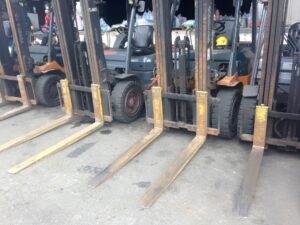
(293, 12)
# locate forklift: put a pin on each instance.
(272, 115)
(187, 95)
(43, 62)
(228, 58)
(48, 64)
(131, 62)
(138, 60)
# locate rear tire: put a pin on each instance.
(230, 99)
(246, 116)
(127, 101)
(46, 90)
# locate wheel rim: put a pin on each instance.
(132, 102)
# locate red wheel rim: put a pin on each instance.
(132, 102)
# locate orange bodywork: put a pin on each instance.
(48, 67)
(245, 80)
(229, 81)
(232, 81)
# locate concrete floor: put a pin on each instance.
(55, 190)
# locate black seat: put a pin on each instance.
(143, 40)
(293, 40)
(142, 44)
(294, 34)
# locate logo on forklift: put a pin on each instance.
(110, 52)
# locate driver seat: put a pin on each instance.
(293, 40)
(294, 35)
(143, 40)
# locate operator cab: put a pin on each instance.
(139, 50)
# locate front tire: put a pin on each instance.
(127, 101)
(46, 90)
(247, 115)
(230, 99)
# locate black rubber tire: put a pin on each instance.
(247, 115)
(46, 90)
(230, 99)
(119, 99)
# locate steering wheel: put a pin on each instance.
(122, 30)
(219, 27)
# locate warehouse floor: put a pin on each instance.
(55, 190)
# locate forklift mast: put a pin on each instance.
(84, 61)
(67, 36)
(17, 88)
(50, 43)
(94, 43)
(178, 80)
(98, 68)
(131, 26)
(6, 61)
(232, 68)
(163, 43)
(17, 16)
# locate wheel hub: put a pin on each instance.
(133, 101)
